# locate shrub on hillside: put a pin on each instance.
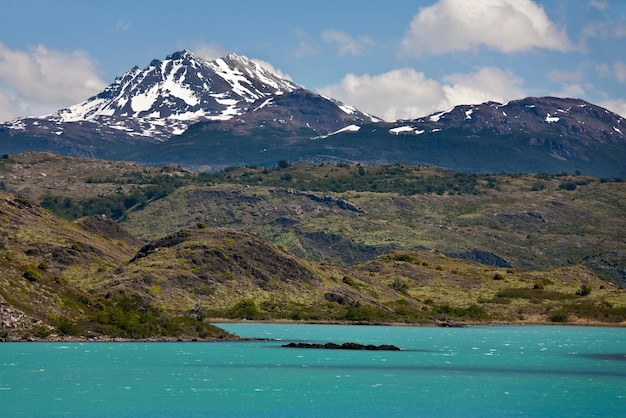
(584, 290)
(31, 274)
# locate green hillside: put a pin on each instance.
(395, 244)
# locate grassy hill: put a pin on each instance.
(403, 244)
(521, 221)
(52, 273)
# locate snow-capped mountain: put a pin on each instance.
(164, 98)
(231, 111)
(571, 117)
(568, 128)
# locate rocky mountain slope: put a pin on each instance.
(565, 128)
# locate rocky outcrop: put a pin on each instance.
(107, 227)
(344, 346)
(12, 322)
(341, 203)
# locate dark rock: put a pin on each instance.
(344, 346)
(109, 228)
(333, 297)
(482, 257)
(451, 324)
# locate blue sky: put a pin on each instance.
(396, 59)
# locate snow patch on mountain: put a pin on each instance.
(400, 129)
(349, 128)
(265, 103)
(437, 116)
(551, 119)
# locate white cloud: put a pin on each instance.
(269, 67)
(619, 69)
(408, 94)
(306, 45)
(502, 25)
(347, 45)
(616, 71)
(486, 84)
(563, 76)
(608, 29)
(615, 105)
(123, 25)
(598, 4)
(574, 90)
(42, 80)
(8, 107)
(603, 69)
(571, 82)
(398, 94)
(209, 51)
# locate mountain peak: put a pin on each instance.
(181, 55)
(164, 98)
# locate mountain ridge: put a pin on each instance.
(231, 111)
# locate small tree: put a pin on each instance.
(245, 309)
(31, 274)
(399, 285)
(584, 290)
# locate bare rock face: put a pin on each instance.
(12, 322)
(109, 228)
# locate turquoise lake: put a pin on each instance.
(520, 371)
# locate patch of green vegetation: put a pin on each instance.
(66, 326)
(598, 311)
(31, 274)
(146, 189)
(129, 316)
(534, 294)
(355, 283)
(472, 312)
(559, 317)
(400, 285)
(245, 309)
(401, 179)
(357, 312)
(405, 258)
(585, 290)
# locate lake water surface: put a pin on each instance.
(530, 371)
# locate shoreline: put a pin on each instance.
(236, 338)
